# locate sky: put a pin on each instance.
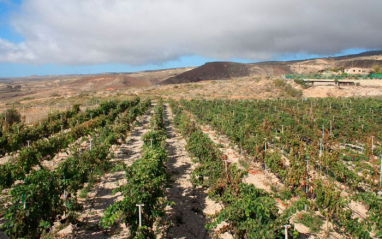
(49, 37)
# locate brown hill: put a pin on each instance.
(211, 71)
(228, 70)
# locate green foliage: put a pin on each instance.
(274, 162)
(11, 116)
(376, 69)
(154, 137)
(287, 88)
(374, 204)
(43, 191)
(312, 221)
(286, 195)
(40, 194)
(146, 179)
(44, 149)
(292, 92)
(302, 83)
(294, 129)
(279, 83)
(156, 120)
(15, 137)
(250, 213)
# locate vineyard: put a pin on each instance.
(324, 153)
(307, 168)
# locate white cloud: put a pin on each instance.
(15, 53)
(154, 31)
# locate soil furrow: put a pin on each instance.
(187, 214)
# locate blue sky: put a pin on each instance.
(17, 70)
(50, 37)
(7, 8)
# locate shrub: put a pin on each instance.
(376, 69)
(312, 221)
(302, 83)
(11, 116)
(279, 83)
(289, 90)
(286, 195)
(292, 91)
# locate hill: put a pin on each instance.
(211, 71)
(230, 70)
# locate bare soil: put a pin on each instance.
(186, 217)
(5, 159)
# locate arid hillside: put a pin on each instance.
(258, 88)
(258, 77)
(230, 70)
(51, 87)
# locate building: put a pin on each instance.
(357, 71)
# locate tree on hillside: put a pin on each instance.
(11, 116)
(376, 69)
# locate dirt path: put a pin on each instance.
(101, 196)
(187, 215)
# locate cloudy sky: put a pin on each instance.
(89, 36)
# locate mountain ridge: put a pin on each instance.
(226, 70)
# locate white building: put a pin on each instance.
(357, 71)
